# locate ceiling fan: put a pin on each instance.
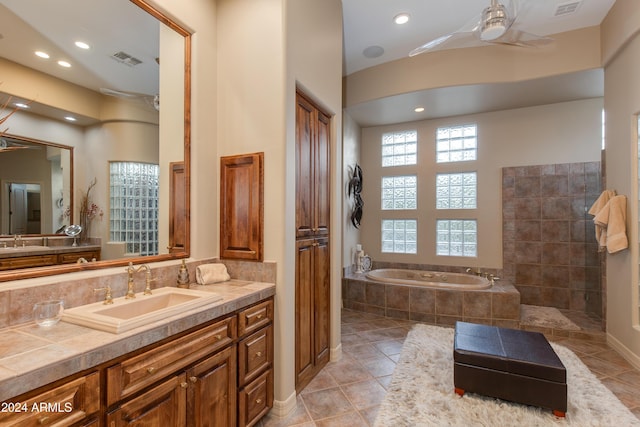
(497, 24)
(150, 100)
(8, 145)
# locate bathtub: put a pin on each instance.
(429, 279)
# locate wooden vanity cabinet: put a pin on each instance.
(218, 375)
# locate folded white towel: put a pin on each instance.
(211, 273)
(611, 222)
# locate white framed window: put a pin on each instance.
(399, 192)
(457, 237)
(399, 148)
(400, 236)
(456, 143)
(133, 206)
(456, 190)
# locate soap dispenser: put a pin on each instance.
(183, 276)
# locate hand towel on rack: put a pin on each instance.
(612, 219)
(601, 201)
(598, 206)
(207, 274)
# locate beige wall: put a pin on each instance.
(557, 133)
(622, 104)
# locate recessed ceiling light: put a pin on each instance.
(42, 54)
(418, 109)
(373, 51)
(21, 105)
(64, 64)
(82, 45)
(401, 18)
(70, 118)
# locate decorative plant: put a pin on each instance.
(88, 210)
(355, 188)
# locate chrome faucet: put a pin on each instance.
(130, 272)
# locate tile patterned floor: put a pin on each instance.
(348, 392)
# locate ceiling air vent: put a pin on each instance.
(126, 59)
(564, 9)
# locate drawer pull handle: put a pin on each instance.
(259, 316)
(184, 384)
(218, 337)
(193, 379)
(44, 420)
(151, 370)
(258, 401)
(259, 354)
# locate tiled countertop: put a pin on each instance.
(31, 356)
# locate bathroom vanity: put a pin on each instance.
(215, 361)
(40, 256)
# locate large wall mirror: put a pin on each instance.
(111, 117)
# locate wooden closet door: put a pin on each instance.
(305, 116)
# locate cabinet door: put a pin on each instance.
(321, 295)
(304, 312)
(305, 130)
(212, 391)
(163, 405)
(321, 176)
(241, 206)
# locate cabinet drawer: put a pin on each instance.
(144, 369)
(256, 399)
(255, 317)
(67, 404)
(255, 354)
(27, 261)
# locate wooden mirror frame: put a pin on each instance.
(34, 272)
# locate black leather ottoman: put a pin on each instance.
(510, 364)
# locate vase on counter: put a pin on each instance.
(85, 223)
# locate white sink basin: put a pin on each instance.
(125, 314)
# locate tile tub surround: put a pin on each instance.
(31, 356)
(499, 305)
(17, 300)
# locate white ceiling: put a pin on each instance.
(107, 26)
(370, 23)
(118, 25)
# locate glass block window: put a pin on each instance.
(456, 143)
(399, 148)
(399, 192)
(134, 206)
(456, 190)
(457, 237)
(400, 236)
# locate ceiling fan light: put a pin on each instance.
(493, 31)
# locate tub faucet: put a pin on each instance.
(16, 238)
(477, 272)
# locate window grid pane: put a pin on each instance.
(400, 236)
(399, 192)
(134, 206)
(399, 148)
(457, 237)
(456, 144)
(456, 190)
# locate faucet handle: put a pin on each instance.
(108, 298)
(147, 289)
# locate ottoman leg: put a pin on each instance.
(459, 391)
(558, 414)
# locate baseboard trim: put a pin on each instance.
(336, 353)
(282, 408)
(624, 351)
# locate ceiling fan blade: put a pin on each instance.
(520, 38)
(446, 41)
(118, 93)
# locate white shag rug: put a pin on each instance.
(421, 392)
(546, 317)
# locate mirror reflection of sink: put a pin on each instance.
(125, 314)
(24, 248)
